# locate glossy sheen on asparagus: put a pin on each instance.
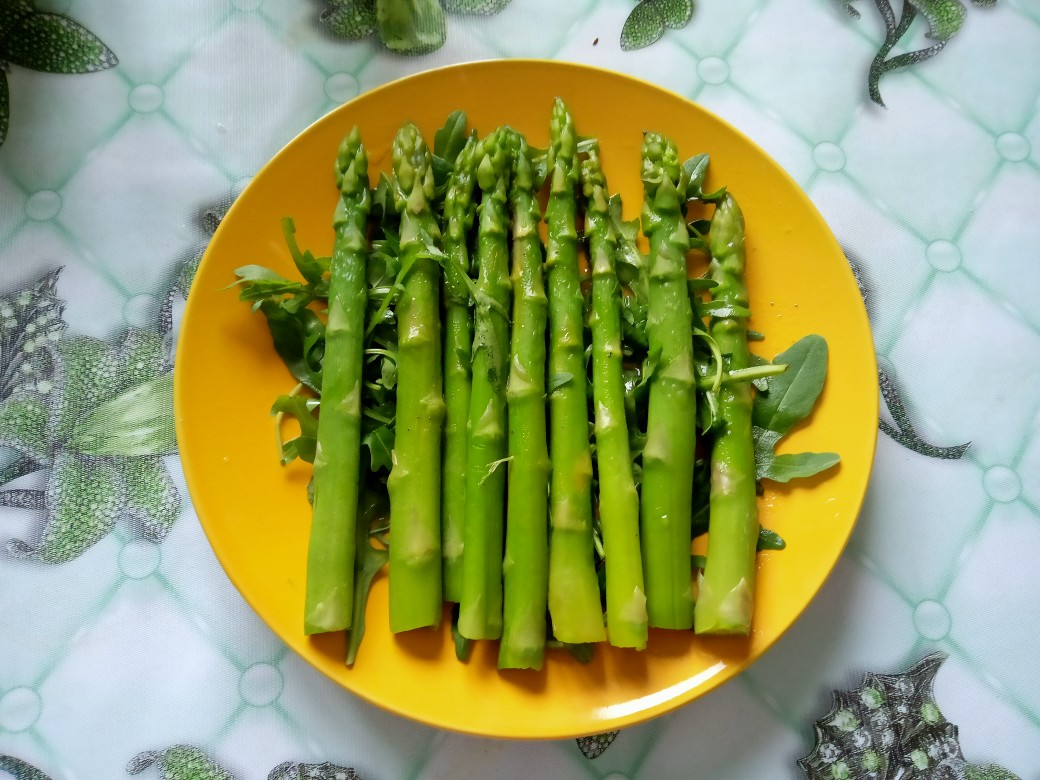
(574, 604)
(414, 483)
(525, 567)
(668, 457)
(337, 456)
(618, 499)
(725, 591)
(459, 214)
(480, 608)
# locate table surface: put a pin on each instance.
(123, 647)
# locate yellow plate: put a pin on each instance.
(255, 512)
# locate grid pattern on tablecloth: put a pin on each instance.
(136, 646)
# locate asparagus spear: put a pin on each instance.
(480, 608)
(618, 499)
(668, 457)
(574, 604)
(330, 556)
(726, 589)
(526, 565)
(414, 483)
(459, 213)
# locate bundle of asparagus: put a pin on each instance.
(552, 423)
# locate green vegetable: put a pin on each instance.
(480, 608)
(526, 565)
(459, 213)
(789, 399)
(668, 456)
(368, 563)
(297, 333)
(337, 457)
(618, 499)
(725, 598)
(574, 603)
(303, 410)
(414, 483)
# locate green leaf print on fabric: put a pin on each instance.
(152, 501)
(48, 42)
(903, 431)
(5, 106)
(944, 17)
(88, 372)
(30, 320)
(594, 746)
(891, 726)
(481, 7)
(180, 762)
(54, 43)
(326, 771)
(98, 415)
(352, 20)
(137, 422)
(23, 426)
(649, 19)
(84, 498)
(185, 762)
(20, 770)
(408, 27)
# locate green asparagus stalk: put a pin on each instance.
(668, 457)
(618, 499)
(525, 568)
(459, 214)
(331, 551)
(480, 608)
(725, 596)
(574, 604)
(414, 483)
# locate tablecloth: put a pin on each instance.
(131, 125)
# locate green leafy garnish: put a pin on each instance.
(789, 399)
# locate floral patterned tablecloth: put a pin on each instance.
(128, 127)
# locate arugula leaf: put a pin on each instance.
(695, 170)
(789, 398)
(784, 468)
(449, 140)
(259, 283)
(370, 559)
(301, 408)
(556, 381)
(299, 340)
(631, 263)
(582, 653)
(311, 268)
(380, 443)
(792, 394)
(770, 540)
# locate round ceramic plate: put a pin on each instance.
(255, 512)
